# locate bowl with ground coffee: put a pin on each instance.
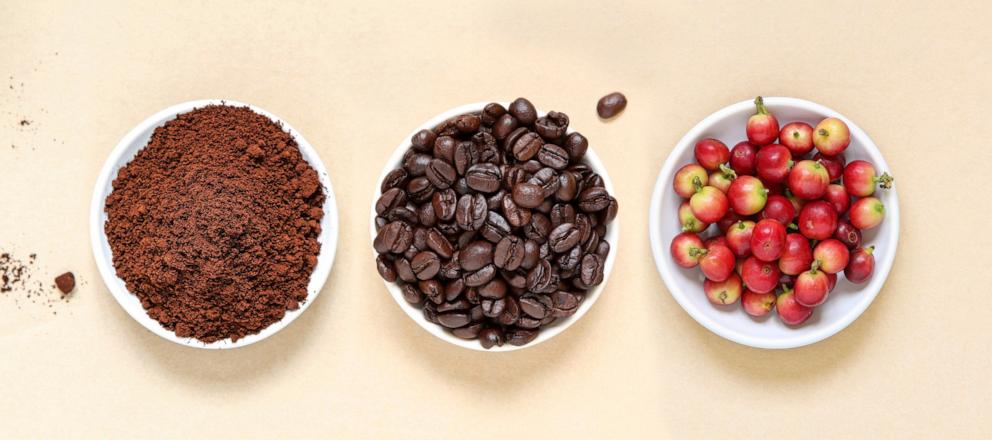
(494, 226)
(214, 224)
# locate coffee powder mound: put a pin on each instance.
(214, 223)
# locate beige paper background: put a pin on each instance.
(356, 77)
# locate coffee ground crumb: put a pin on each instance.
(214, 224)
(65, 283)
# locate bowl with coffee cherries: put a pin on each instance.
(774, 223)
(493, 225)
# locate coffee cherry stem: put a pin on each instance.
(792, 227)
(759, 103)
(814, 267)
(697, 183)
(885, 180)
(728, 172)
(697, 252)
(870, 249)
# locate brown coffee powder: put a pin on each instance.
(214, 224)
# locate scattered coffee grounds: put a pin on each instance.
(494, 224)
(25, 122)
(65, 283)
(214, 223)
(16, 279)
(611, 105)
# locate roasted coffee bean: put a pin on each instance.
(564, 237)
(403, 215)
(504, 126)
(440, 173)
(493, 307)
(389, 200)
(437, 242)
(419, 239)
(450, 269)
(561, 213)
(395, 179)
(547, 179)
(569, 261)
(484, 177)
(511, 311)
(532, 254)
(495, 201)
(576, 145)
(591, 272)
(432, 290)
(395, 237)
(610, 105)
(472, 295)
(403, 270)
(454, 319)
(475, 313)
(411, 294)
(444, 148)
(532, 166)
(565, 303)
(553, 156)
(495, 228)
(481, 276)
(416, 164)
(520, 337)
(496, 219)
(419, 189)
(451, 306)
(464, 238)
(386, 269)
(491, 112)
(527, 322)
(542, 278)
(594, 180)
(538, 228)
(430, 313)
(603, 249)
(515, 215)
(509, 253)
(425, 265)
(470, 214)
(491, 337)
(453, 289)
(444, 204)
(594, 199)
(567, 187)
(423, 141)
(610, 213)
(527, 146)
(476, 255)
(528, 195)
(536, 306)
(516, 280)
(511, 139)
(425, 215)
(468, 123)
(553, 126)
(470, 332)
(494, 289)
(523, 110)
(465, 156)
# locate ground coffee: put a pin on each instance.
(214, 223)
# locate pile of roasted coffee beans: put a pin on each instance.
(494, 224)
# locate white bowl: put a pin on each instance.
(126, 149)
(846, 302)
(416, 313)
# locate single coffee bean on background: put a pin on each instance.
(494, 223)
(611, 105)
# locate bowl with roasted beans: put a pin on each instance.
(494, 225)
